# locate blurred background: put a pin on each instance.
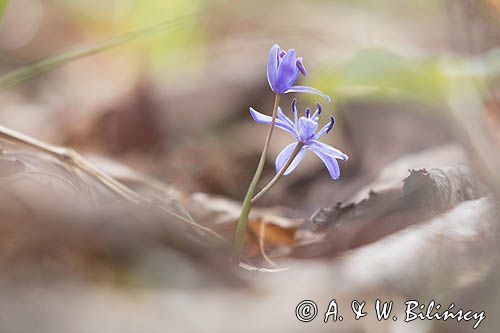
(164, 87)
(175, 103)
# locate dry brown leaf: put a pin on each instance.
(392, 205)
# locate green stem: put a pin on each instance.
(241, 227)
(273, 181)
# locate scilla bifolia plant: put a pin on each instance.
(283, 69)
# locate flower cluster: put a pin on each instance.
(283, 69)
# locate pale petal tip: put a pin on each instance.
(254, 113)
(308, 90)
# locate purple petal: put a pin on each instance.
(283, 116)
(272, 66)
(301, 67)
(265, 119)
(307, 129)
(284, 155)
(323, 148)
(330, 163)
(287, 72)
(309, 90)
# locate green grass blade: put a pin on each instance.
(26, 72)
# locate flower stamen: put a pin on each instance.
(330, 126)
(295, 115)
(316, 114)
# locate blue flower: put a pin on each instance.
(283, 68)
(304, 129)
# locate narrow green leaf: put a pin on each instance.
(26, 72)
